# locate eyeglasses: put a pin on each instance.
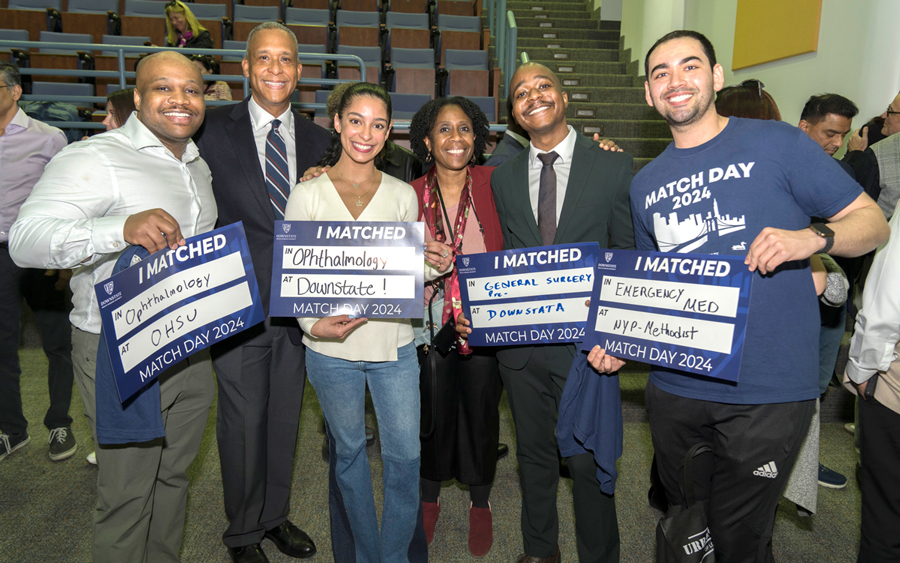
(889, 112)
(172, 4)
(753, 83)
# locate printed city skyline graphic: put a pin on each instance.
(694, 231)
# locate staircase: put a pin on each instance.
(604, 97)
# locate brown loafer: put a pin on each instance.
(555, 558)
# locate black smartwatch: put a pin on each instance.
(823, 231)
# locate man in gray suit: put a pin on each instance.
(591, 205)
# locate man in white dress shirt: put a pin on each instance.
(143, 184)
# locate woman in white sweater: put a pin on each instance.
(344, 354)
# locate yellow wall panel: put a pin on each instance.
(771, 30)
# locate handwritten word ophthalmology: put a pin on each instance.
(372, 270)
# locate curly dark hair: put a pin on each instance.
(423, 122)
(333, 152)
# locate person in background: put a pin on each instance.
(119, 107)
(183, 29)
(750, 100)
(460, 399)
(215, 89)
(26, 145)
(344, 353)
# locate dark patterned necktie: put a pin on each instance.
(547, 198)
(277, 176)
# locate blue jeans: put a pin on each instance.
(341, 386)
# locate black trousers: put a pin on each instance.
(534, 393)
(754, 449)
(51, 309)
(462, 399)
(261, 375)
(879, 450)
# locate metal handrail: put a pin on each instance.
(512, 38)
(122, 74)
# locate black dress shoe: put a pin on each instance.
(252, 553)
(502, 451)
(291, 540)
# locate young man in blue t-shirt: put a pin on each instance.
(742, 187)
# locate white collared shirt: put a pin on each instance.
(562, 166)
(75, 216)
(261, 121)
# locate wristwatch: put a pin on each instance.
(823, 231)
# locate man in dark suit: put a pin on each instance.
(590, 204)
(261, 372)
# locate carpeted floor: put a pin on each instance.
(45, 506)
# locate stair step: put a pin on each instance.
(559, 23)
(567, 69)
(616, 129)
(638, 112)
(563, 55)
(550, 15)
(528, 5)
(529, 43)
(589, 97)
(591, 34)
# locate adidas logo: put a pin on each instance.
(768, 470)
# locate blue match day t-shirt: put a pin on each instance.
(715, 199)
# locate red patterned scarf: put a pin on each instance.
(434, 220)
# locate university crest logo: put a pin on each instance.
(465, 261)
(286, 227)
(108, 286)
(609, 256)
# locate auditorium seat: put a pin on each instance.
(467, 73)
(54, 37)
(96, 17)
(459, 32)
(12, 35)
(248, 17)
(311, 26)
(34, 5)
(321, 116)
(212, 17)
(60, 58)
(413, 71)
(457, 8)
(276, 3)
(145, 18)
(407, 31)
(33, 16)
(109, 60)
(358, 29)
(406, 105)
(361, 5)
(306, 93)
(312, 4)
(231, 65)
(408, 6)
(226, 3)
(487, 104)
(371, 57)
(62, 89)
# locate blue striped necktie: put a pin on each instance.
(277, 175)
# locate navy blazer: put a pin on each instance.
(227, 145)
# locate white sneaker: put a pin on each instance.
(92, 458)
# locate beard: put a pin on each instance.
(684, 117)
